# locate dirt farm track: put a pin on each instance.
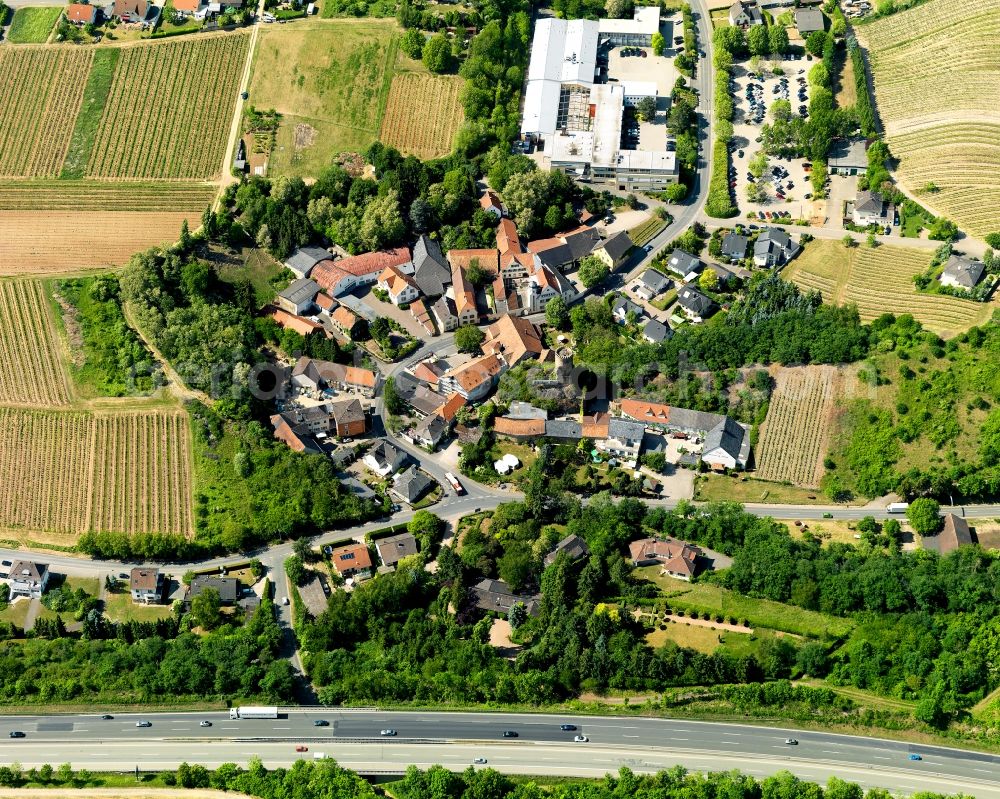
(54, 242)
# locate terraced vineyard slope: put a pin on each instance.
(169, 108)
(31, 371)
(42, 88)
(937, 82)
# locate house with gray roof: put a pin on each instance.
(655, 332)
(624, 439)
(430, 431)
(734, 246)
(574, 547)
(385, 459)
(495, 596)
(809, 20)
(392, 549)
(411, 485)
(870, 208)
(228, 588)
(432, 274)
(304, 260)
(566, 429)
(848, 157)
(774, 247)
(298, 298)
(745, 14)
(613, 251)
(28, 578)
(525, 410)
(623, 306)
(962, 273)
(651, 284)
(683, 263)
(695, 305)
(727, 445)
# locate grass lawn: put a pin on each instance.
(89, 584)
(703, 639)
(260, 269)
(717, 487)
(913, 219)
(189, 23)
(16, 612)
(644, 232)
(759, 612)
(120, 607)
(329, 79)
(664, 301)
(33, 25)
(95, 97)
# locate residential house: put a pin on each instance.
(299, 324)
(392, 549)
(474, 379)
(519, 429)
(495, 596)
(871, 209)
(146, 585)
(624, 439)
(565, 251)
(513, 259)
(743, 14)
(490, 202)
(348, 418)
(312, 375)
(418, 310)
(734, 246)
(131, 11)
(385, 459)
(445, 314)
(197, 8)
(228, 589)
(574, 547)
(623, 306)
(325, 303)
(695, 305)
(684, 264)
(677, 559)
(400, 287)
(417, 394)
(430, 431)
(774, 247)
(613, 251)
(348, 323)
(451, 406)
(463, 292)
(652, 283)
(962, 273)
(298, 298)
(525, 410)
(81, 14)
(431, 271)
(727, 445)
(340, 277)
(848, 157)
(411, 485)
(513, 339)
(655, 332)
(809, 20)
(430, 371)
(726, 278)
(352, 561)
(27, 578)
(954, 534)
(541, 285)
(564, 429)
(302, 262)
(595, 427)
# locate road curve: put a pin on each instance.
(454, 739)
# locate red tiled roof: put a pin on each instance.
(81, 13)
(329, 273)
(451, 406)
(325, 301)
(353, 557)
(506, 426)
(489, 200)
(646, 411)
(299, 324)
(507, 239)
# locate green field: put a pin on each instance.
(718, 488)
(758, 612)
(33, 25)
(703, 639)
(644, 232)
(329, 79)
(120, 607)
(95, 97)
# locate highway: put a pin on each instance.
(455, 739)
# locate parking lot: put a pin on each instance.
(785, 181)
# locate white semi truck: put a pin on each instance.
(253, 713)
(897, 507)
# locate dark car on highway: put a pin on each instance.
(567, 727)
(509, 734)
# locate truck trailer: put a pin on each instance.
(253, 713)
(897, 507)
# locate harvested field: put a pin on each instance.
(31, 371)
(168, 110)
(98, 195)
(42, 89)
(937, 82)
(880, 280)
(68, 472)
(423, 114)
(60, 242)
(793, 438)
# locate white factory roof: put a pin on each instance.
(646, 21)
(609, 99)
(541, 107)
(572, 148)
(661, 161)
(564, 50)
(639, 88)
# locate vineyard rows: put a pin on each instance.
(42, 88)
(792, 438)
(168, 110)
(423, 114)
(69, 472)
(31, 371)
(937, 81)
(98, 195)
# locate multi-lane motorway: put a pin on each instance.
(455, 740)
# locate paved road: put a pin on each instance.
(454, 739)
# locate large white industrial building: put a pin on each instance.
(579, 122)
